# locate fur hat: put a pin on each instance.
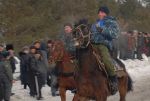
(104, 9)
(49, 41)
(6, 53)
(9, 47)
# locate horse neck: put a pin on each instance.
(65, 66)
(86, 58)
(83, 53)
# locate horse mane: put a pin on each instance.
(81, 21)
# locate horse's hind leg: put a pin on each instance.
(79, 98)
(123, 85)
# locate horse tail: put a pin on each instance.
(130, 82)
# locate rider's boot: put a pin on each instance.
(114, 84)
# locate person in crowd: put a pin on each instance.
(31, 79)
(7, 75)
(37, 45)
(1, 86)
(44, 55)
(37, 67)
(122, 44)
(10, 48)
(135, 35)
(148, 44)
(139, 46)
(1, 51)
(105, 30)
(129, 45)
(145, 45)
(23, 67)
(49, 44)
(115, 48)
(67, 39)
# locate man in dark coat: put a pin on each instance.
(37, 67)
(140, 43)
(31, 80)
(115, 48)
(23, 67)
(10, 48)
(122, 44)
(7, 75)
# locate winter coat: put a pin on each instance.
(28, 60)
(1, 55)
(37, 66)
(110, 30)
(12, 63)
(122, 41)
(129, 42)
(140, 41)
(6, 69)
(69, 44)
(23, 68)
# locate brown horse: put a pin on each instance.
(90, 81)
(65, 78)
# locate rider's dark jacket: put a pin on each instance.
(69, 44)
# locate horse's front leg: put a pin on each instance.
(62, 93)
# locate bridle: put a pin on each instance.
(61, 52)
(82, 37)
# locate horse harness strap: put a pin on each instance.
(100, 64)
(66, 74)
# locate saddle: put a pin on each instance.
(117, 67)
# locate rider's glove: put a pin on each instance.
(99, 29)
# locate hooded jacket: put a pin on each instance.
(110, 30)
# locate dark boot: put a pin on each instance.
(114, 84)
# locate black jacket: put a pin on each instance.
(37, 65)
(12, 63)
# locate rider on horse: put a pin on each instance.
(105, 30)
(67, 39)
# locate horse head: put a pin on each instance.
(56, 53)
(81, 34)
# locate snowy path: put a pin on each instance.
(138, 70)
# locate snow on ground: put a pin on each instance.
(138, 70)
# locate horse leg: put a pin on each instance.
(62, 93)
(123, 85)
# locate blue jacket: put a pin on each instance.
(110, 31)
